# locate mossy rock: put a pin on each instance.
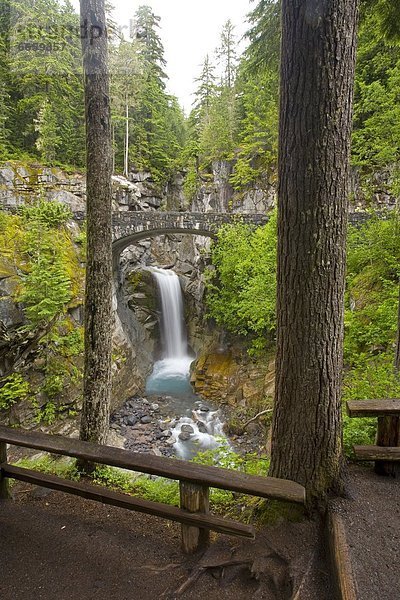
(7, 269)
(142, 291)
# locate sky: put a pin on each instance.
(189, 30)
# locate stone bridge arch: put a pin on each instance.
(131, 227)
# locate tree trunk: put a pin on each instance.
(126, 149)
(98, 300)
(317, 74)
(397, 355)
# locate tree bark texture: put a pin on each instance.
(397, 355)
(317, 75)
(98, 299)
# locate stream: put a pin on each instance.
(171, 418)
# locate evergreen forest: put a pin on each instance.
(234, 118)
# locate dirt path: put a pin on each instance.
(372, 522)
(57, 547)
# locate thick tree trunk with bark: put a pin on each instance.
(397, 355)
(317, 74)
(98, 300)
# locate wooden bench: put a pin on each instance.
(194, 480)
(386, 453)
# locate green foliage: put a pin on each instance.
(376, 137)
(62, 467)
(241, 297)
(46, 290)
(373, 276)
(43, 82)
(372, 377)
(72, 344)
(226, 458)
(113, 478)
(241, 290)
(52, 270)
(226, 54)
(158, 489)
(264, 33)
(48, 139)
(166, 491)
(146, 119)
(225, 502)
(48, 414)
(37, 249)
(14, 388)
(218, 132)
(357, 432)
(50, 215)
(258, 135)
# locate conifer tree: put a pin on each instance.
(227, 55)
(145, 31)
(5, 107)
(48, 139)
(314, 148)
(156, 125)
(45, 65)
(206, 87)
(264, 35)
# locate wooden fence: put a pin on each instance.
(194, 480)
(386, 452)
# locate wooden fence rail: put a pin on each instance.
(386, 453)
(194, 480)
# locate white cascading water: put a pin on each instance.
(174, 336)
(171, 374)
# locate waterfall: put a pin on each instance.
(199, 428)
(171, 374)
(172, 323)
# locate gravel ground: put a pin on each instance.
(58, 547)
(372, 521)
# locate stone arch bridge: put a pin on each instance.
(130, 227)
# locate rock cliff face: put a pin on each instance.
(218, 195)
(137, 294)
(22, 184)
(227, 375)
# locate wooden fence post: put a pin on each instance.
(4, 487)
(194, 498)
(388, 435)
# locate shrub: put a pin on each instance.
(14, 388)
(46, 213)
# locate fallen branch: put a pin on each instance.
(260, 414)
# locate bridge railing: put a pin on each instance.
(194, 480)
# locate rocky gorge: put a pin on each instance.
(136, 332)
(222, 374)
